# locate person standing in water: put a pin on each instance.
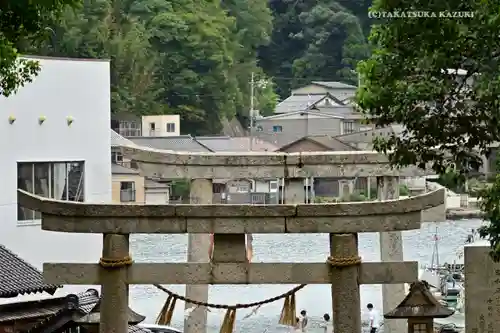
(374, 318)
(303, 321)
(326, 325)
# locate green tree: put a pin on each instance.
(315, 40)
(252, 30)
(197, 48)
(103, 29)
(450, 119)
(24, 21)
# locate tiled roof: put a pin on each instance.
(18, 277)
(328, 142)
(332, 143)
(177, 143)
(230, 144)
(117, 140)
(94, 316)
(48, 308)
(72, 305)
(334, 85)
(298, 103)
(121, 170)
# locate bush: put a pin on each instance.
(403, 190)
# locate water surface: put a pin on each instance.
(316, 299)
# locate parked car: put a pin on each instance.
(159, 328)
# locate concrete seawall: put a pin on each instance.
(463, 214)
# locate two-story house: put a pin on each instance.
(158, 125)
(303, 115)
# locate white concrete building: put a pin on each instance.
(55, 142)
(161, 125)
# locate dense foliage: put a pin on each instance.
(193, 57)
(451, 119)
(23, 21)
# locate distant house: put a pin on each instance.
(284, 128)
(326, 187)
(259, 191)
(128, 186)
(296, 103)
(128, 125)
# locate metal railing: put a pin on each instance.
(128, 132)
(259, 198)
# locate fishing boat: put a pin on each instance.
(452, 285)
(446, 280)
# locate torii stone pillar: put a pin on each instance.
(391, 250)
(198, 246)
(294, 191)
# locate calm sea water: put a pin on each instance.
(316, 299)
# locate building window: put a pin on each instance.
(273, 186)
(116, 157)
(170, 127)
(55, 180)
(129, 128)
(127, 191)
(348, 127)
(243, 188)
(277, 129)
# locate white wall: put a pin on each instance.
(161, 122)
(262, 186)
(63, 88)
(157, 196)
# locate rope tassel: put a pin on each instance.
(229, 320)
(288, 317)
(166, 313)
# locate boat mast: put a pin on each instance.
(435, 252)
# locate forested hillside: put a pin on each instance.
(195, 57)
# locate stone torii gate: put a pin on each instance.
(229, 223)
(203, 168)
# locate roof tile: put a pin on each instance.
(18, 277)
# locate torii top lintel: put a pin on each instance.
(175, 164)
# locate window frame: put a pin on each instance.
(130, 191)
(49, 182)
(348, 127)
(168, 129)
(419, 327)
(277, 128)
(116, 157)
(273, 183)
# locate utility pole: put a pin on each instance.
(251, 111)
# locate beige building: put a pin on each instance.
(158, 126)
(162, 125)
(127, 186)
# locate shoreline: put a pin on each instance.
(463, 214)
